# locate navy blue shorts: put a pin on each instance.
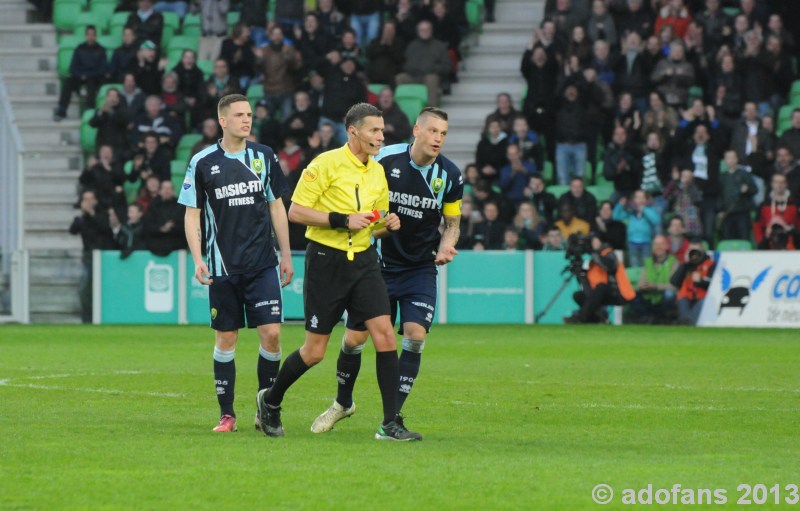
(413, 292)
(254, 296)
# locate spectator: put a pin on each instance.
(190, 85)
(87, 68)
(397, 127)
(530, 226)
(504, 113)
(365, 20)
(289, 14)
(728, 89)
(123, 55)
(786, 165)
(290, 155)
(303, 122)
(781, 74)
(543, 201)
(686, 198)
(736, 204)
(692, 279)
(426, 61)
(471, 177)
(466, 224)
(579, 46)
(490, 155)
(163, 222)
(629, 72)
(655, 165)
(775, 28)
(483, 193)
(750, 136)
(313, 44)
(584, 204)
(342, 89)
(148, 192)
(446, 29)
(570, 136)
(610, 231)
(172, 100)
(568, 223)
(254, 16)
(147, 69)
(280, 64)
(151, 159)
(553, 240)
(755, 65)
(674, 75)
(676, 235)
(94, 227)
(643, 224)
(131, 234)
(489, 234)
(675, 15)
(717, 25)
(777, 223)
(628, 117)
(515, 175)
(146, 23)
(105, 178)
(332, 21)
(512, 240)
(348, 47)
(621, 165)
(214, 26)
(528, 141)
(154, 120)
(237, 52)
(540, 72)
(791, 137)
(133, 96)
(322, 140)
(211, 135)
(385, 55)
(702, 158)
(218, 85)
(111, 121)
(635, 17)
(660, 117)
(655, 297)
(601, 25)
(269, 130)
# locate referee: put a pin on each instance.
(235, 186)
(340, 197)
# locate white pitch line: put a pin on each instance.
(8, 383)
(638, 406)
(668, 386)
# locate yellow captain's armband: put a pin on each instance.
(452, 208)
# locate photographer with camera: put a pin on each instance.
(692, 279)
(602, 279)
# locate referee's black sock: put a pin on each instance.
(410, 359)
(347, 367)
(268, 365)
(225, 379)
(387, 371)
(293, 368)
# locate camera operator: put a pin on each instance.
(602, 279)
(691, 279)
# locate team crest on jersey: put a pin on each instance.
(437, 185)
(258, 165)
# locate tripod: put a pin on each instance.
(571, 272)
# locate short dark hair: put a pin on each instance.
(432, 110)
(358, 112)
(151, 134)
(228, 100)
(90, 27)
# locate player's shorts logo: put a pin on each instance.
(258, 166)
(213, 313)
(437, 185)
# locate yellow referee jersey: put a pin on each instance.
(337, 181)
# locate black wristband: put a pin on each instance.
(337, 220)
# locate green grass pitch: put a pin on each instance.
(514, 417)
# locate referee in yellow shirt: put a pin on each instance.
(342, 197)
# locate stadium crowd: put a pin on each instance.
(654, 123)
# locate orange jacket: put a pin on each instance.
(599, 275)
(693, 290)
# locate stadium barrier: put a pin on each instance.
(480, 287)
(754, 289)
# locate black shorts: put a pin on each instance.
(332, 284)
(413, 292)
(255, 296)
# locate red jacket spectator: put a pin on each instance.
(677, 17)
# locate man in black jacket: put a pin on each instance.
(88, 67)
(163, 222)
(621, 165)
(570, 136)
(397, 129)
(146, 22)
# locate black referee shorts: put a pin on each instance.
(333, 284)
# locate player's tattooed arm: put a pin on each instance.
(447, 247)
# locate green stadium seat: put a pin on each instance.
(88, 134)
(64, 57)
(101, 94)
(784, 119)
(474, 12)
(183, 42)
(255, 92)
(131, 189)
(65, 12)
(522, 97)
(90, 18)
(558, 190)
(177, 168)
(731, 11)
(376, 88)
(410, 106)
(412, 90)
(184, 149)
(117, 23)
(172, 19)
(233, 18)
(103, 9)
(110, 42)
(548, 172)
(633, 275)
(167, 33)
(734, 245)
(191, 25)
(601, 192)
(207, 67)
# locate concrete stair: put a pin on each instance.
(491, 67)
(51, 163)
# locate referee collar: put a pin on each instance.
(363, 167)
